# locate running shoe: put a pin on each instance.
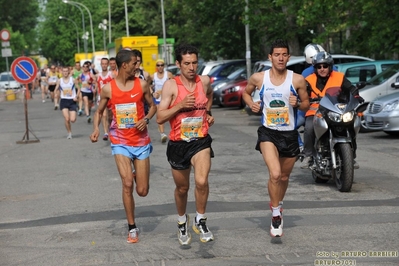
(183, 233)
(88, 119)
(201, 229)
(164, 138)
(307, 161)
(80, 112)
(43, 101)
(69, 136)
(280, 204)
(133, 236)
(276, 227)
(56, 107)
(105, 137)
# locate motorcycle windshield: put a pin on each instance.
(330, 102)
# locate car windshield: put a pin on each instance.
(383, 76)
(6, 78)
(236, 73)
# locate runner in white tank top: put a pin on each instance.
(159, 78)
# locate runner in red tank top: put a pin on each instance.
(104, 77)
(186, 102)
(129, 137)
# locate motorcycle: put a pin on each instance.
(336, 125)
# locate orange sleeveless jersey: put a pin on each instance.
(127, 108)
(189, 124)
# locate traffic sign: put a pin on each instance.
(4, 35)
(24, 69)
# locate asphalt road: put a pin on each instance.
(60, 201)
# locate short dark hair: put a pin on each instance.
(87, 63)
(104, 58)
(137, 53)
(279, 43)
(124, 56)
(183, 49)
(112, 59)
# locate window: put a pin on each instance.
(363, 73)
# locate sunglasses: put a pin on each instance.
(322, 66)
(160, 65)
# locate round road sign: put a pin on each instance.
(24, 69)
(5, 35)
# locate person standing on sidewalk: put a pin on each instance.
(68, 89)
(159, 79)
(281, 91)
(130, 140)
(186, 102)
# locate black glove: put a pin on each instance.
(360, 99)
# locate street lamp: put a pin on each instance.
(91, 20)
(103, 26)
(166, 57)
(77, 31)
(109, 20)
(84, 29)
(127, 20)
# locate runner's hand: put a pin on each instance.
(94, 136)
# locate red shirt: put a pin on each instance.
(189, 124)
(127, 109)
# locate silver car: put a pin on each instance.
(383, 113)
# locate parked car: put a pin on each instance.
(218, 85)
(7, 81)
(383, 113)
(173, 69)
(379, 85)
(206, 67)
(231, 94)
(363, 71)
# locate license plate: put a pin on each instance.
(369, 119)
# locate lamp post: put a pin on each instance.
(166, 57)
(126, 19)
(91, 20)
(84, 29)
(109, 20)
(77, 31)
(103, 26)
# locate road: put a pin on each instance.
(60, 201)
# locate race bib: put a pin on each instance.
(277, 116)
(67, 91)
(191, 128)
(126, 115)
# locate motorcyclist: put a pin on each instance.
(324, 81)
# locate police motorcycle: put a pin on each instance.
(336, 124)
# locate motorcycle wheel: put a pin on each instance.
(343, 174)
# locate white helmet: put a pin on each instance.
(311, 50)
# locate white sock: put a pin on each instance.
(182, 219)
(199, 216)
(276, 211)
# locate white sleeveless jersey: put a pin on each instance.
(159, 82)
(277, 113)
(67, 89)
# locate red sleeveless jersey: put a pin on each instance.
(127, 108)
(189, 124)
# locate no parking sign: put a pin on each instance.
(24, 69)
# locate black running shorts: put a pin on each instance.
(69, 104)
(89, 95)
(286, 142)
(51, 88)
(179, 153)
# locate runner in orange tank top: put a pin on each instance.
(130, 141)
(186, 102)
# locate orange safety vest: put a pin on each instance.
(333, 88)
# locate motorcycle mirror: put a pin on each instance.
(361, 84)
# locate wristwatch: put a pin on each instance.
(209, 113)
(146, 120)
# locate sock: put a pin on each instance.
(132, 226)
(276, 211)
(198, 217)
(182, 219)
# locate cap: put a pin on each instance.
(160, 61)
